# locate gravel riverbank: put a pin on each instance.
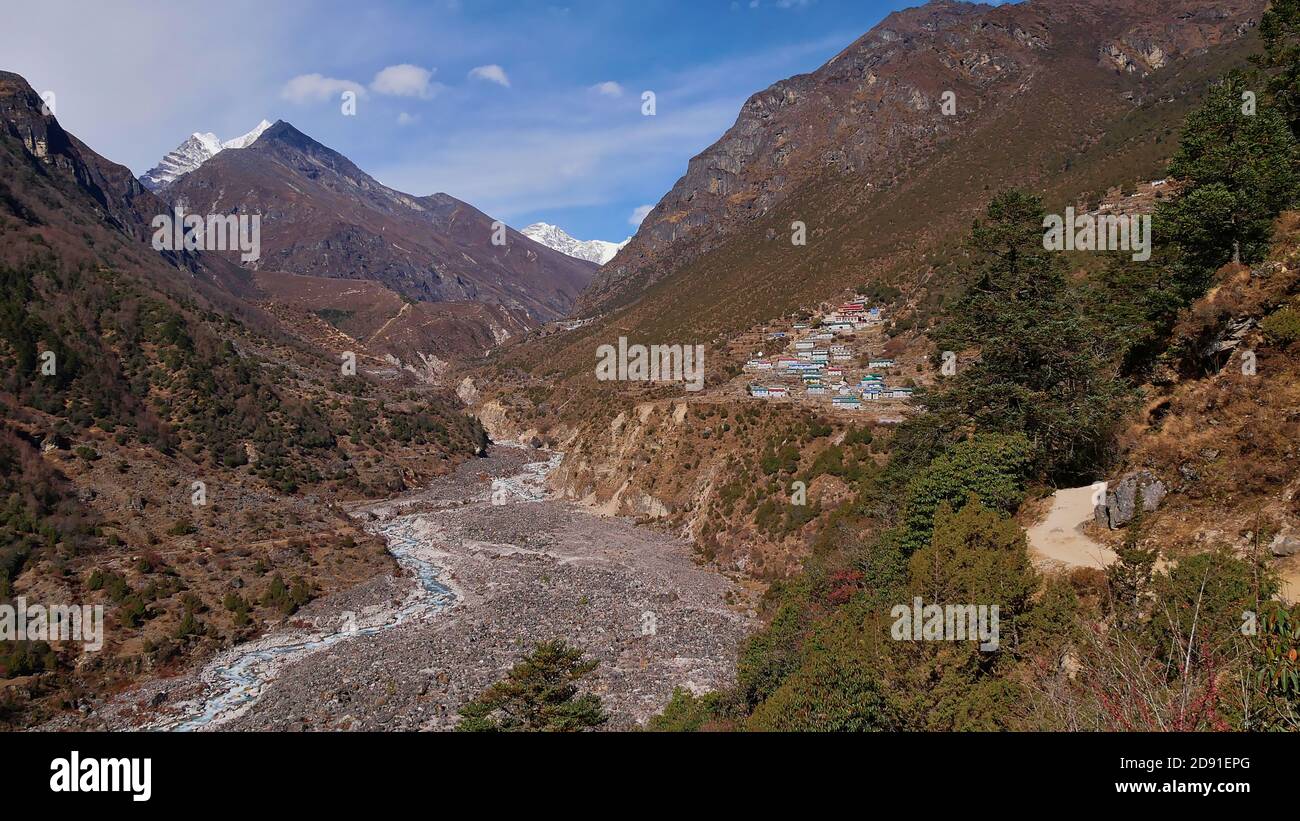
(504, 576)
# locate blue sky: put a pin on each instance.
(529, 111)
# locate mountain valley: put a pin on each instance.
(377, 479)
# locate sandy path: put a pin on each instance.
(1059, 537)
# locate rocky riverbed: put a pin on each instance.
(494, 568)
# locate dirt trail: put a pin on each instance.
(1059, 537)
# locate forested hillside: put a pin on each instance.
(1058, 377)
(160, 438)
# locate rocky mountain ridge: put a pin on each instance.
(323, 216)
(879, 115)
(197, 149)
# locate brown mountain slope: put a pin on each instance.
(371, 320)
(108, 195)
(1224, 443)
(160, 380)
(862, 152)
(323, 216)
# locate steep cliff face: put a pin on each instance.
(719, 474)
(54, 159)
(121, 198)
(878, 115)
(678, 465)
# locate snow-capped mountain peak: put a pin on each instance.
(598, 251)
(206, 140)
(195, 151)
(249, 138)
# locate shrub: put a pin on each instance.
(1282, 327)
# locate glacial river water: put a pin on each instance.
(235, 679)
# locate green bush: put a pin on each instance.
(1282, 327)
(990, 466)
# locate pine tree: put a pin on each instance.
(1279, 28)
(1042, 368)
(1238, 169)
(1129, 578)
(538, 694)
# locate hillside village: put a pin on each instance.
(834, 359)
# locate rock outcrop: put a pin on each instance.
(879, 111)
(1120, 503)
(1286, 543)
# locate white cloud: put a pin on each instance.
(561, 150)
(609, 88)
(492, 73)
(558, 160)
(405, 80)
(307, 88)
(405, 119)
(639, 214)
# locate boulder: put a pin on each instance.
(1285, 544)
(1121, 498)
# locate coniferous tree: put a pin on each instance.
(1042, 369)
(1238, 170)
(1279, 28)
(539, 693)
